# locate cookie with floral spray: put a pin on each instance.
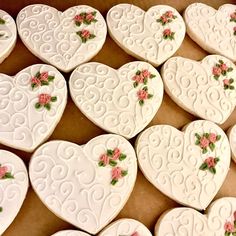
(13, 187)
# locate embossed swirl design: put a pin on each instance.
(21, 125)
(139, 33)
(192, 86)
(76, 188)
(51, 35)
(108, 98)
(171, 161)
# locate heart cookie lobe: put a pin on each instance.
(218, 220)
(32, 103)
(188, 166)
(87, 185)
(213, 30)
(129, 227)
(63, 39)
(121, 101)
(8, 35)
(13, 187)
(152, 36)
(206, 89)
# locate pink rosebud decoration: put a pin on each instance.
(233, 16)
(224, 67)
(116, 154)
(89, 16)
(44, 99)
(164, 19)
(138, 79)
(116, 173)
(142, 94)
(44, 76)
(169, 14)
(3, 171)
(79, 18)
(210, 162)
(167, 32)
(204, 142)
(226, 82)
(212, 137)
(36, 81)
(216, 71)
(234, 29)
(146, 73)
(228, 227)
(104, 159)
(85, 34)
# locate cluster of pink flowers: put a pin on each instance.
(229, 227)
(228, 84)
(141, 77)
(85, 17)
(220, 69)
(4, 173)
(85, 35)
(209, 164)
(41, 79)
(111, 157)
(167, 17)
(44, 100)
(168, 34)
(207, 140)
(143, 95)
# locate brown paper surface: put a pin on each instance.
(146, 203)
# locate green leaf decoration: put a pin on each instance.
(53, 99)
(1, 35)
(112, 163)
(114, 181)
(92, 36)
(37, 75)
(101, 164)
(122, 157)
(231, 81)
(231, 87)
(110, 152)
(221, 62)
(204, 150)
(197, 136)
(51, 78)
(124, 172)
(145, 88)
(94, 20)
(44, 82)
(235, 224)
(77, 23)
(145, 81)
(218, 137)
(212, 170)
(229, 69)
(135, 84)
(33, 86)
(197, 142)
(141, 102)
(48, 106)
(8, 175)
(217, 159)
(212, 146)
(2, 22)
(37, 105)
(203, 166)
(227, 233)
(152, 76)
(94, 13)
(216, 77)
(138, 72)
(150, 96)
(234, 233)
(223, 73)
(1, 209)
(159, 20)
(206, 135)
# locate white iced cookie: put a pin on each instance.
(70, 233)
(8, 35)
(31, 104)
(219, 220)
(87, 185)
(126, 227)
(153, 36)
(232, 141)
(63, 39)
(13, 187)
(119, 101)
(188, 166)
(206, 89)
(214, 31)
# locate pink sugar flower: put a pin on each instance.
(116, 154)
(44, 76)
(104, 159)
(142, 94)
(210, 161)
(85, 34)
(3, 171)
(116, 173)
(228, 227)
(146, 73)
(216, 71)
(212, 137)
(204, 142)
(44, 99)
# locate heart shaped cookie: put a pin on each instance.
(126, 227)
(206, 89)
(70, 233)
(220, 219)
(85, 185)
(214, 31)
(13, 187)
(153, 36)
(31, 104)
(63, 39)
(8, 35)
(188, 166)
(232, 141)
(120, 101)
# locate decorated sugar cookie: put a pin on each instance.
(70, 233)
(31, 104)
(153, 36)
(206, 89)
(63, 39)
(188, 166)
(232, 141)
(126, 227)
(218, 220)
(120, 101)
(214, 30)
(8, 35)
(13, 187)
(87, 185)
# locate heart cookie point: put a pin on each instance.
(173, 161)
(213, 30)
(63, 39)
(8, 35)
(86, 185)
(13, 187)
(33, 103)
(121, 101)
(206, 89)
(152, 36)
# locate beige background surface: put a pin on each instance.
(145, 203)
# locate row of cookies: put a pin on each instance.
(66, 40)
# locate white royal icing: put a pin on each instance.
(212, 29)
(70, 182)
(171, 160)
(12, 191)
(51, 34)
(109, 99)
(22, 126)
(191, 84)
(140, 35)
(8, 35)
